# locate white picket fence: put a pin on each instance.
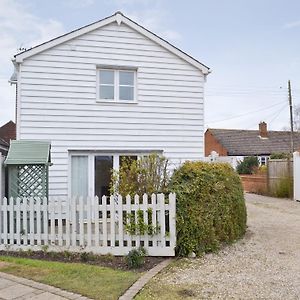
(2, 176)
(93, 225)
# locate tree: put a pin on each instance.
(248, 165)
(148, 174)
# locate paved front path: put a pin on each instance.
(12, 287)
(263, 265)
(140, 283)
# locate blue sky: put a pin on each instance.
(253, 47)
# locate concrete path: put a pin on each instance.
(12, 287)
(140, 283)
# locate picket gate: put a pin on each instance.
(89, 224)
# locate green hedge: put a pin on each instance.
(210, 207)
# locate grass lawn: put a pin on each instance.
(91, 281)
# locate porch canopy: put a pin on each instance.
(25, 152)
(28, 163)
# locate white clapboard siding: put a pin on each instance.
(80, 224)
(57, 101)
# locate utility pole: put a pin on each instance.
(291, 116)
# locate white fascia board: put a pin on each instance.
(119, 18)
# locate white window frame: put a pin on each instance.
(117, 85)
(91, 166)
(265, 158)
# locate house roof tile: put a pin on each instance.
(248, 142)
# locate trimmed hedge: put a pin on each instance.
(210, 206)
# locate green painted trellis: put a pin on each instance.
(28, 164)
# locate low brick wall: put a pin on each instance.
(255, 183)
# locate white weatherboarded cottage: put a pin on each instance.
(107, 90)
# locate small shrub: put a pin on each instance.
(136, 258)
(210, 207)
(45, 249)
(29, 252)
(262, 170)
(54, 255)
(284, 188)
(108, 257)
(280, 156)
(248, 166)
(67, 255)
(148, 174)
(86, 256)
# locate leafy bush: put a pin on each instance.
(84, 256)
(284, 188)
(210, 206)
(262, 170)
(148, 174)
(280, 156)
(248, 165)
(136, 258)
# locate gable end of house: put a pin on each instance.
(119, 18)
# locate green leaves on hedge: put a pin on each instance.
(210, 207)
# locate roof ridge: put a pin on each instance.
(236, 129)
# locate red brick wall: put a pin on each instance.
(8, 131)
(211, 144)
(255, 183)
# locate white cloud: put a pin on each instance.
(154, 20)
(133, 2)
(79, 3)
(292, 25)
(19, 28)
(151, 15)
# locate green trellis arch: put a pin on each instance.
(28, 165)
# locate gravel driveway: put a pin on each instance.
(264, 265)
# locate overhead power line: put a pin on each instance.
(247, 113)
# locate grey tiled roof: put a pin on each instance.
(3, 146)
(248, 142)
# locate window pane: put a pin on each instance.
(126, 93)
(126, 78)
(106, 77)
(103, 172)
(79, 176)
(106, 92)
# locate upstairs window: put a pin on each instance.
(117, 85)
(107, 84)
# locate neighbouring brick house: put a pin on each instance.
(3, 147)
(7, 133)
(239, 143)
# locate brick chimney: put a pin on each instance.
(263, 132)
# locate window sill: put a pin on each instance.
(112, 102)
